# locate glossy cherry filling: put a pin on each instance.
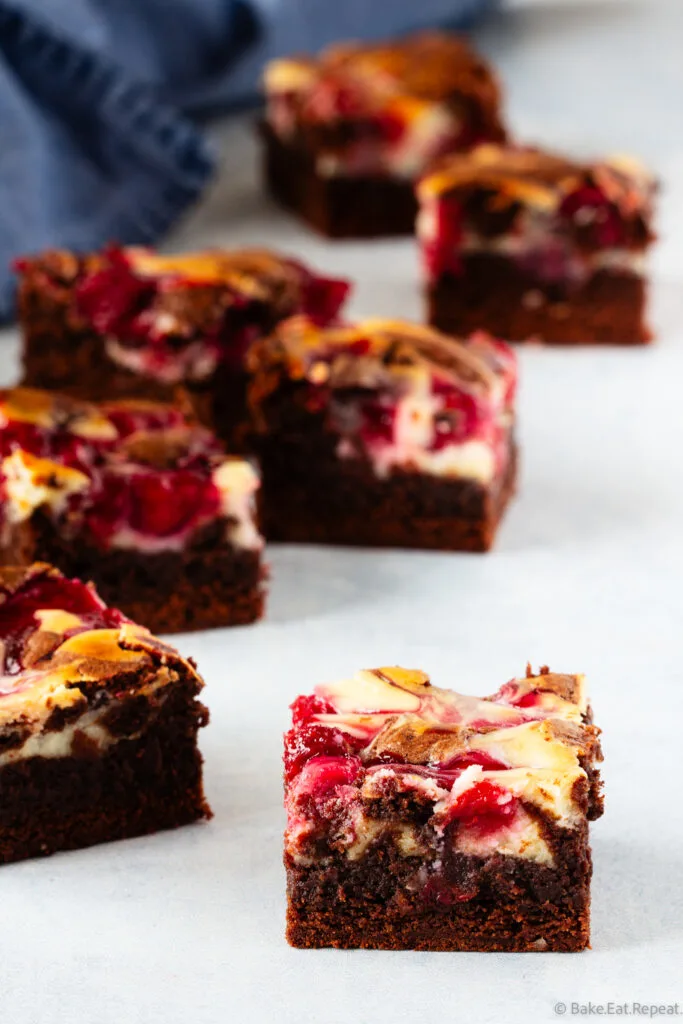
(321, 297)
(310, 740)
(361, 129)
(155, 505)
(114, 299)
(59, 445)
(484, 808)
(129, 493)
(18, 613)
(121, 304)
(322, 775)
(306, 707)
(594, 217)
(378, 421)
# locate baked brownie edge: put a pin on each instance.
(493, 294)
(338, 207)
(139, 786)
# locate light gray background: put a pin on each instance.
(187, 927)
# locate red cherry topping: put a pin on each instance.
(470, 757)
(304, 708)
(312, 740)
(323, 297)
(153, 504)
(589, 208)
(528, 700)
(111, 298)
(322, 774)
(163, 504)
(18, 612)
(128, 419)
(485, 807)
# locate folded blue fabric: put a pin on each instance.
(96, 98)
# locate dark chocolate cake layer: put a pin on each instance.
(362, 206)
(609, 308)
(98, 721)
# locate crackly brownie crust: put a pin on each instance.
(202, 587)
(98, 721)
(362, 206)
(609, 308)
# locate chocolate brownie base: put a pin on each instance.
(310, 495)
(203, 587)
(495, 295)
(352, 506)
(137, 787)
(501, 904)
(338, 207)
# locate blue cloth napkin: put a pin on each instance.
(99, 101)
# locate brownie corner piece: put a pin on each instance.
(383, 434)
(346, 133)
(441, 822)
(98, 721)
(137, 497)
(531, 245)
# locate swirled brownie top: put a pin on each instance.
(63, 655)
(387, 109)
(400, 394)
(492, 765)
(430, 66)
(129, 474)
(378, 353)
(177, 317)
(174, 282)
(541, 179)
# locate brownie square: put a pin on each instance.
(530, 245)
(347, 133)
(383, 433)
(131, 323)
(136, 497)
(418, 818)
(98, 721)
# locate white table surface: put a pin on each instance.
(187, 927)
